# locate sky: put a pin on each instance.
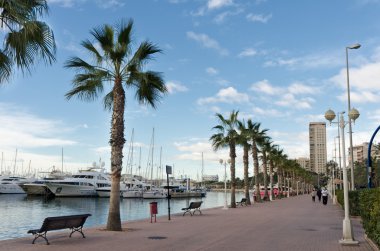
(280, 63)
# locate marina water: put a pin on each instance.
(20, 213)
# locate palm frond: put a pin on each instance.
(34, 40)
(150, 87)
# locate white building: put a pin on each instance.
(318, 150)
(304, 163)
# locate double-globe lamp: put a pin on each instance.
(348, 235)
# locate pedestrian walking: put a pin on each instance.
(325, 196)
(313, 193)
(319, 194)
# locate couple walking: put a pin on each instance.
(320, 193)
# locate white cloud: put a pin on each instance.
(106, 4)
(268, 112)
(216, 4)
(361, 97)
(207, 42)
(289, 100)
(21, 128)
(299, 88)
(65, 3)
(212, 71)
(220, 18)
(265, 86)
(312, 61)
(249, 52)
(366, 77)
(176, 87)
(228, 95)
(259, 17)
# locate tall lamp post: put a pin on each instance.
(224, 162)
(352, 47)
(348, 235)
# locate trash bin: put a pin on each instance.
(153, 210)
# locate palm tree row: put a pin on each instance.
(231, 132)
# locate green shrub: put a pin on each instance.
(370, 213)
(353, 197)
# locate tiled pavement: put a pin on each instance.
(294, 223)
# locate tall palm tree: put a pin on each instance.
(273, 157)
(115, 65)
(256, 137)
(266, 147)
(227, 136)
(243, 139)
(26, 39)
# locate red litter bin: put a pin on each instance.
(153, 211)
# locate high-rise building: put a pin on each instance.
(360, 153)
(304, 163)
(318, 150)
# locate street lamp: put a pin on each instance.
(352, 47)
(348, 235)
(224, 162)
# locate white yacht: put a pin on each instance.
(134, 187)
(39, 187)
(155, 193)
(11, 184)
(83, 183)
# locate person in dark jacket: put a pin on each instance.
(319, 194)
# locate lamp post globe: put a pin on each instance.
(330, 115)
(353, 114)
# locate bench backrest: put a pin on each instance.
(244, 200)
(196, 204)
(62, 222)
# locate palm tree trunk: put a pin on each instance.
(245, 163)
(279, 181)
(117, 143)
(233, 179)
(256, 171)
(271, 179)
(265, 167)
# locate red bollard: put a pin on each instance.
(153, 211)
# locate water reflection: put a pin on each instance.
(19, 212)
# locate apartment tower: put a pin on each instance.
(318, 150)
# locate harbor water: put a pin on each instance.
(20, 213)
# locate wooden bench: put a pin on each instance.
(73, 222)
(192, 208)
(243, 202)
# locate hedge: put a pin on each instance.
(365, 203)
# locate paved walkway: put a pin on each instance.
(294, 223)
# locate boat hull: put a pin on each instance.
(11, 189)
(66, 190)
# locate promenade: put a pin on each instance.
(294, 223)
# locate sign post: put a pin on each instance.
(168, 171)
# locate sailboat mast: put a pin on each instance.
(140, 162)
(151, 173)
(202, 171)
(62, 160)
(14, 167)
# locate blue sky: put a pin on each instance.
(281, 63)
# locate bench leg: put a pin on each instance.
(187, 211)
(38, 235)
(77, 229)
(197, 209)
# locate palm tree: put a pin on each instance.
(227, 136)
(273, 157)
(243, 141)
(26, 39)
(266, 147)
(114, 64)
(256, 137)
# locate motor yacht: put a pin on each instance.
(80, 184)
(11, 184)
